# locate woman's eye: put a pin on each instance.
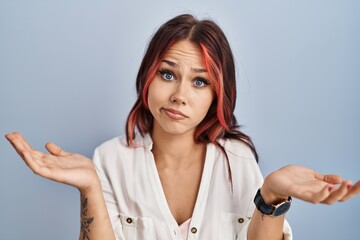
(201, 82)
(166, 75)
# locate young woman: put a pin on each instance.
(183, 170)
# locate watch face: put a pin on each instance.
(283, 208)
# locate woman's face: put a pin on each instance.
(180, 95)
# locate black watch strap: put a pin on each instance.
(274, 210)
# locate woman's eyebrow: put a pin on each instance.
(175, 65)
(198, 70)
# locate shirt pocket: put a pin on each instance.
(137, 228)
(230, 225)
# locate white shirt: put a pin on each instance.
(136, 201)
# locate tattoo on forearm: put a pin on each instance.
(85, 220)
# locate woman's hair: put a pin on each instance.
(220, 121)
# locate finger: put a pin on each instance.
(17, 144)
(329, 178)
(22, 139)
(337, 194)
(353, 191)
(320, 195)
(56, 150)
(11, 137)
(21, 147)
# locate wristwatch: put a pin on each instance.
(272, 210)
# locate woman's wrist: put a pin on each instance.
(94, 188)
(269, 196)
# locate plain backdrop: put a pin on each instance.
(67, 74)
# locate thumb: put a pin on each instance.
(334, 179)
(55, 150)
(329, 178)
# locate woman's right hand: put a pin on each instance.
(72, 169)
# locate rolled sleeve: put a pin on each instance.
(286, 231)
(109, 197)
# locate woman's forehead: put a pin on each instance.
(185, 53)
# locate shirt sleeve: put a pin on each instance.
(286, 231)
(109, 197)
(253, 182)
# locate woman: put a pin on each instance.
(183, 170)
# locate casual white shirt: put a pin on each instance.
(136, 201)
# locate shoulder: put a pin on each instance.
(114, 155)
(112, 145)
(243, 168)
(236, 148)
(117, 147)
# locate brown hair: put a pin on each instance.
(220, 121)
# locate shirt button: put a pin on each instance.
(240, 220)
(129, 220)
(193, 230)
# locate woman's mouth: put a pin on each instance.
(174, 114)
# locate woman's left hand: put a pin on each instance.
(306, 184)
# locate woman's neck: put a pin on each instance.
(176, 150)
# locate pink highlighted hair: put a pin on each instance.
(220, 121)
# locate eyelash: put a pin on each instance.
(163, 72)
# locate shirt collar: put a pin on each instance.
(147, 141)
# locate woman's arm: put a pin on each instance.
(74, 170)
(94, 217)
(302, 183)
(264, 226)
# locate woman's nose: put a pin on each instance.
(179, 94)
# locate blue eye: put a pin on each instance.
(200, 82)
(166, 75)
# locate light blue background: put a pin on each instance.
(67, 74)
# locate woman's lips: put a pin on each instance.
(174, 114)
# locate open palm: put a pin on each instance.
(308, 185)
(72, 169)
